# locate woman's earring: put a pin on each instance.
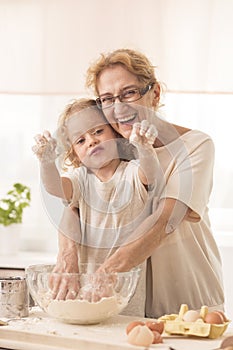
(156, 96)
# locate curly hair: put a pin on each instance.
(134, 61)
(69, 158)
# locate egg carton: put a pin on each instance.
(175, 325)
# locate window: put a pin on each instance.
(23, 116)
(211, 113)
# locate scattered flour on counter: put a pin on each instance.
(34, 324)
(83, 311)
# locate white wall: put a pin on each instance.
(226, 252)
(47, 45)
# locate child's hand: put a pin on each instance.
(143, 134)
(45, 147)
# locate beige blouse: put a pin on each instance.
(186, 267)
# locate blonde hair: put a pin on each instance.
(134, 61)
(69, 157)
(74, 107)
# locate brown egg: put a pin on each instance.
(214, 318)
(223, 315)
(157, 338)
(157, 326)
(133, 324)
(141, 335)
(228, 348)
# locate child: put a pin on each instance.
(112, 195)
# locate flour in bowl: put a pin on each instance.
(85, 312)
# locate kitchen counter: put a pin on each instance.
(40, 332)
(23, 259)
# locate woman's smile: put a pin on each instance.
(128, 119)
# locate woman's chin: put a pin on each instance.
(125, 130)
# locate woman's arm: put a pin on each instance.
(148, 236)
(67, 258)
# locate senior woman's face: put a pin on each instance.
(114, 81)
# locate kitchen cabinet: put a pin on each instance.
(6, 272)
(14, 266)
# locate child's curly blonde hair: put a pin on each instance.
(77, 105)
(68, 156)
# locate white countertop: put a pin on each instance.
(40, 332)
(24, 259)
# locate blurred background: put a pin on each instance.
(46, 48)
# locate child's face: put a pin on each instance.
(92, 139)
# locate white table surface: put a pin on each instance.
(40, 332)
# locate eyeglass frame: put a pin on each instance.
(142, 92)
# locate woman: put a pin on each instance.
(183, 261)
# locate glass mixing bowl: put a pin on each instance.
(81, 298)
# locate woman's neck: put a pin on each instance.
(167, 132)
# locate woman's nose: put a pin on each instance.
(119, 106)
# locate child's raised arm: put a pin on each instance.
(142, 137)
(45, 150)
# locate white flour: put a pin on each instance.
(84, 312)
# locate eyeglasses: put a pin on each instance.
(128, 95)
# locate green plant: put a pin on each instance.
(12, 206)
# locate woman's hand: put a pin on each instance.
(97, 286)
(45, 147)
(63, 282)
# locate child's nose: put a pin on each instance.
(92, 140)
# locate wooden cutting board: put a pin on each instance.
(40, 332)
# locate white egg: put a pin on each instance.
(191, 316)
(141, 335)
